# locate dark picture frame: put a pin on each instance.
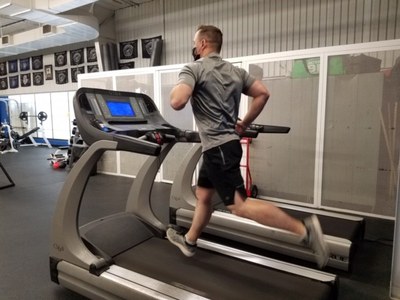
(48, 71)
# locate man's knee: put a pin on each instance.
(239, 208)
(204, 195)
(238, 212)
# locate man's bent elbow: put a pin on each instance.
(176, 105)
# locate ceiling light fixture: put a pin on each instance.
(20, 12)
(5, 5)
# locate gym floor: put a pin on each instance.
(26, 215)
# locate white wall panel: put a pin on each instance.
(249, 26)
(138, 23)
(259, 26)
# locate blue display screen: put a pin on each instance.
(120, 108)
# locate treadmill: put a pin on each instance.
(342, 232)
(126, 255)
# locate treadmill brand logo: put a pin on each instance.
(59, 248)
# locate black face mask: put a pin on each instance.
(194, 54)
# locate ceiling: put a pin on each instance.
(32, 25)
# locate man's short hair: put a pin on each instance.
(212, 34)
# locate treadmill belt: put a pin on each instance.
(216, 276)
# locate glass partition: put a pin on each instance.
(182, 118)
(57, 106)
(27, 104)
(282, 165)
(60, 115)
(98, 82)
(361, 141)
(341, 104)
(43, 104)
(138, 83)
(14, 105)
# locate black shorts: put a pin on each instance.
(221, 170)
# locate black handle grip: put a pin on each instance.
(249, 133)
(127, 143)
(269, 128)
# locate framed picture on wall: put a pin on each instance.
(48, 71)
(91, 55)
(3, 68)
(62, 76)
(37, 62)
(14, 81)
(13, 66)
(3, 83)
(60, 58)
(37, 78)
(25, 79)
(24, 64)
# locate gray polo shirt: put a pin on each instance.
(217, 88)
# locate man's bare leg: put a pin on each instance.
(266, 214)
(202, 213)
(309, 230)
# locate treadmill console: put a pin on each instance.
(105, 115)
(121, 109)
(113, 115)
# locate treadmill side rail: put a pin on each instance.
(269, 262)
(249, 232)
(118, 283)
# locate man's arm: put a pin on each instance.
(180, 95)
(260, 96)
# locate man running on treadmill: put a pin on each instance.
(214, 87)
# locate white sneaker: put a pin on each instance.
(179, 240)
(315, 240)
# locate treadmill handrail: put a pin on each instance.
(269, 128)
(132, 144)
(65, 238)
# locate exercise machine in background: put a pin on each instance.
(41, 116)
(8, 142)
(10, 139)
